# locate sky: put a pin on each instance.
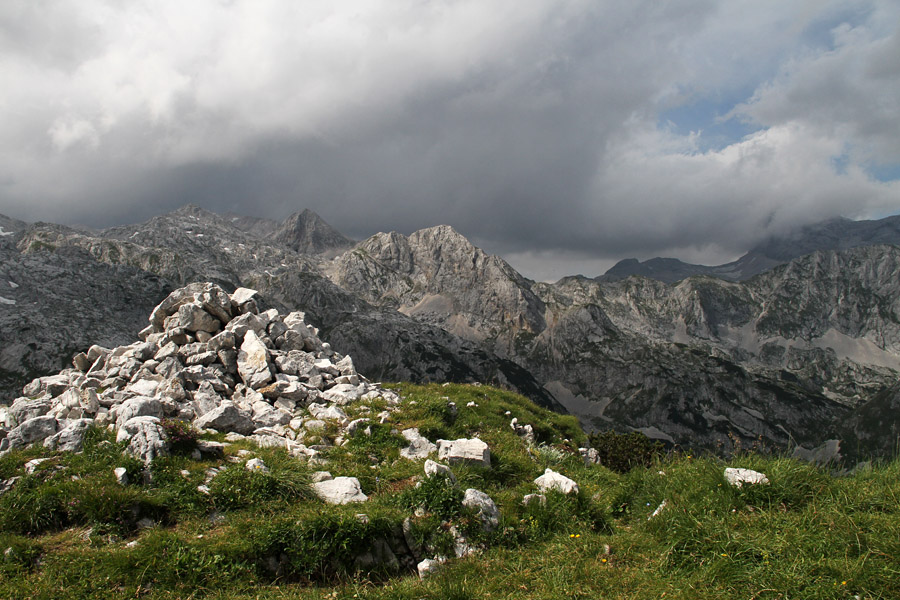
(563, 135)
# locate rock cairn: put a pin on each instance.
(209, 358)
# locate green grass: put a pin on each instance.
(72, 531)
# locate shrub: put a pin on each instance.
(182, 436)
(236, 487)
(621, 452)
(319, 546)
(437, 495)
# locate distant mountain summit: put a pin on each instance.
(308, 233)
(834, 234)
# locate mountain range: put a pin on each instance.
(796, 343)
(833, 234)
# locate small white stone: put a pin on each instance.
(738, 477)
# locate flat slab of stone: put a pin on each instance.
(464, 451)
(340, 490)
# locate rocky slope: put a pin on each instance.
(192, 244)
(784, 358)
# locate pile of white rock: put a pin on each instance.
(209, 358)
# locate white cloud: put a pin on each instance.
(530, 125)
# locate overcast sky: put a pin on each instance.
(561, 134)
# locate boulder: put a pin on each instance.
(419, 446)
(222, 341)
(343, 393)
(266, 415)
(551, 480)
(540, 499)
(146, 438)
(296, 362)
(467, 451)
(738, 477)
(121, 474)
(484, 507)
(24, 409)
(340, 490)
(32, 430)
(71, 438)
(356, 427)
(253, 361)
(590, 456)
(325, 413)
(227, 417)
(242, 295)
(141, 406)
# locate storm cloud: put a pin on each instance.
(563, 134)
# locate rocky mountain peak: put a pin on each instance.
(9, 226)
(308, 233)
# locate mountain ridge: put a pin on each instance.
(832, 234)
(786, 356)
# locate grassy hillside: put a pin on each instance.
(70, 530)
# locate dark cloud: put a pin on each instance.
(534, 128)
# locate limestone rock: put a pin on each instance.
(432, 468)
(71, 438)
(551, 480)
(590, 456)
(484, 507)
(138, 407)
(340, 490)
(738, 477)
(356, 426)
(256, 465)
(121, 474)
(253, 361)
(326, 413)
(468, 451)
(428, 567)
(227, 417)
(24, 409)
(146, 438)
(540, 499)
(419, 446)
(266, 415)
(242, 296)
(32, 430)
